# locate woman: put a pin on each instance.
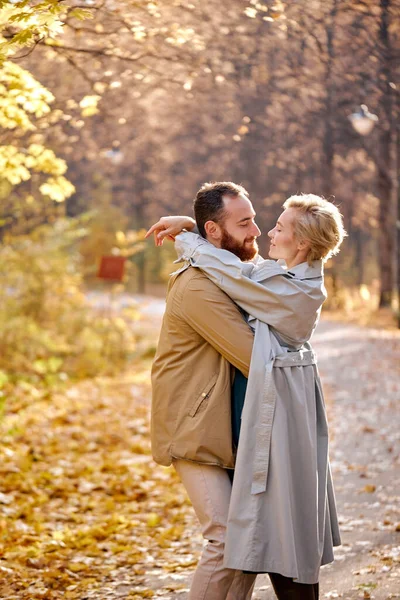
(282, 517)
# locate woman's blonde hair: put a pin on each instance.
(319, 223)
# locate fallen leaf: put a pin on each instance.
(369, 488)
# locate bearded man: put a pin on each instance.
(204, 338)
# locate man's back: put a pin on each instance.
(202, 335)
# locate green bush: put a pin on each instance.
(48, 331)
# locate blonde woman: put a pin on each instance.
(282, 517)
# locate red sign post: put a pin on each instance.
(112, 268)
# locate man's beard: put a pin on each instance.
(244, 251)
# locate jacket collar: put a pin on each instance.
(304, 270)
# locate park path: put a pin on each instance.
(86, 514)
(360, 370)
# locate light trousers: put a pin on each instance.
(209, 490)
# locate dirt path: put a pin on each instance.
(360, 370)
(85, 513)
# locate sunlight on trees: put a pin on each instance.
(113, 113)
(121, 110)
(25, 108)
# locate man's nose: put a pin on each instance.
(256, 230)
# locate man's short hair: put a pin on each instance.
(209, 205)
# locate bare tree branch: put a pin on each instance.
(36, 43)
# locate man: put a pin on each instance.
(203, 337)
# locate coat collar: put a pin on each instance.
(304, 270)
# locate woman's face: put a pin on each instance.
(284, 244)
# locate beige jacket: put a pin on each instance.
(203, 334)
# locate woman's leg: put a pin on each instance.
(287, 589)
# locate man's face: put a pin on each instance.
(239, 231)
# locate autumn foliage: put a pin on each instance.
(153, 99)
(113, 114)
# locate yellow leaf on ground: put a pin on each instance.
(153, 520)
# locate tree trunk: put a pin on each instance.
(141, 256)
(141, 278)
(328, 142)
(385, 166)
(386, 238)
(359, 256)
(397, 183)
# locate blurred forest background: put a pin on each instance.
(114, 112)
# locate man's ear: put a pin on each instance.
(213, 230)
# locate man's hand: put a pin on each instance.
(169, 227)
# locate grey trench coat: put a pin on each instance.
(282, 516)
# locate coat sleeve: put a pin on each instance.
(280, 301)
(210, 312)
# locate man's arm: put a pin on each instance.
(218, 320)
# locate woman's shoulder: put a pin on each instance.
(264, 268)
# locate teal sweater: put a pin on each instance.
(237, 401)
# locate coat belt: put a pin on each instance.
(301, 358)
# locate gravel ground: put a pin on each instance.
(85, 513)
(360, 370)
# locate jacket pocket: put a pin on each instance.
(203, 396)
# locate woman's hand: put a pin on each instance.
(169, 227)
